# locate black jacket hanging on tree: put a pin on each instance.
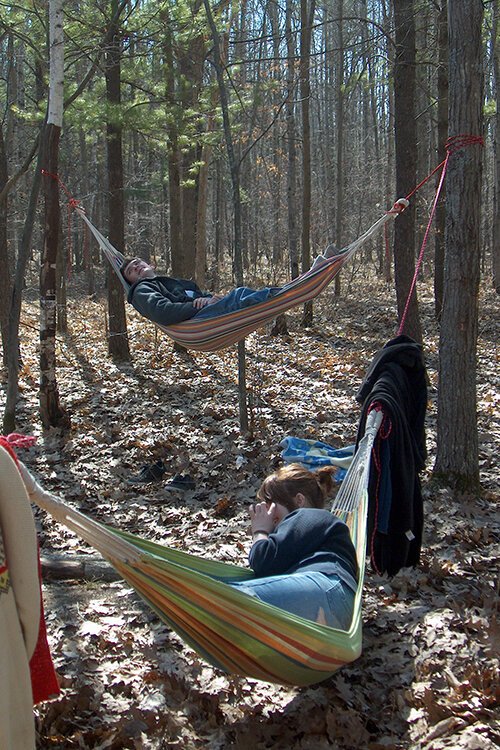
(397, 380)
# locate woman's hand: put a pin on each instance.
(262, 517)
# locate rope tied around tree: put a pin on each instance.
(72, 203)
(454, 144)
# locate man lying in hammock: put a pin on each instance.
(166, 300)
(302, 555)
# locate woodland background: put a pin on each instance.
(231, 142)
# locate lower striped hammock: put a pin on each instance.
(233, 631)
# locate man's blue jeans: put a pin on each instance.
(239, 298)
(310, 594)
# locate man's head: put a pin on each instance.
(134, 269)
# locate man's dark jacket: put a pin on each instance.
(164, 300)
(397, 380)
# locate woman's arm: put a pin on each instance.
(300, 534)
(262, 520)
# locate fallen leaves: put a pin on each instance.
(428, 675)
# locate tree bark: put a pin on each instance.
(495, 43)
(9, 417)
(442, 134)
(77, 568)
(174, 159)
(201, 220)
(406, 162)
(118, 346)
(291, 146)
(457, 458)
(235, 180)
(52, 413)
(191, 71)
(339, 119)
(5, 277)
(306, 19)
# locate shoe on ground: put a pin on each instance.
(149, 473)
(181, 482)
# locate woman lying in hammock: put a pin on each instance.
(166, 300)
(302, 555)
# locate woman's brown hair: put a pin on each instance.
(282, 486)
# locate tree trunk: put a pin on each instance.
(235, 179)
(118, 346)
(9, 417)
(5, 276)
(63, 265)
(406, 160)
(174, 159)
(191, 72)
(339, 119)
(291, 146)
(201, 220)
(306, 19)
(389, 161)
(442, 128)
(495, 43)
(457, 439)
(51, 412)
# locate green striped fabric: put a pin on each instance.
(235, 632)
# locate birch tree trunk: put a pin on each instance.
(51, 412)
(191, 71)
(174, 158)
(457, 460)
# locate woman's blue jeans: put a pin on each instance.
(310, 594)
(239, 298)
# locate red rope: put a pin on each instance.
(15, 440)
(453, 144)
(19, 441)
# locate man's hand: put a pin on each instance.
(200, 302)
(214, 299)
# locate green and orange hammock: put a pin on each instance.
(233, 631)
(216, 333)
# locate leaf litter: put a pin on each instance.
(428, 675)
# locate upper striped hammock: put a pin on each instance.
(230, 629)
(216, 333)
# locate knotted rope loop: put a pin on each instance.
(19, 441)
(458, 142)
(453, 144)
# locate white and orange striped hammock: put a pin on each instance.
(217, 333)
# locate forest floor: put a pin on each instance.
(428, 675)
